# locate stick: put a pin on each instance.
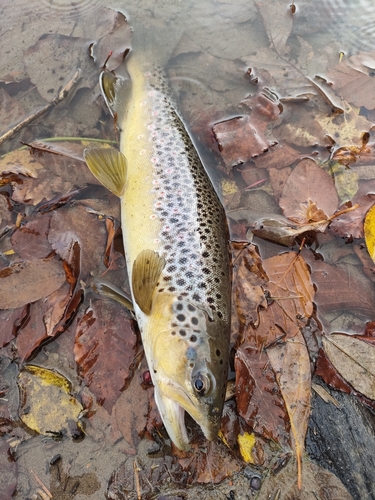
(60, 97)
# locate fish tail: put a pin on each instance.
(108, 165)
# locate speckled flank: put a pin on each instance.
(191, 216)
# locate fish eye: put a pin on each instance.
(201, 384)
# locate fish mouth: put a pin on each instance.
(173, 416)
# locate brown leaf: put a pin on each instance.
(317, 483)
(208, 462)
(354, 360)
(11, 111)
(247, 291)
(294, 381)
(245, 137)
(104, 349)
(30, 241)
(278, 22)
(27, 282)
(75, 223)
(258, 397)
(339, 288)
(10, 322)
(130, 414)
(280, 156)
(307, 182)
(353, 79)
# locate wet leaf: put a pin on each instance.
(75, 223)
(353, 79)
(354, 360)
(10, 322)
(49, 317)
(246, 444)
(308, 182)
(317, 483)
(247, 292)
(291, 363)
(105, 349)
(10, 111)
(207, 462)
(277, 21)
(369, 232)
(244, 137)
(346, 129)
(30, 241)
(130, 414)
(340, 288)
(27, 282)
(47, 404)
(8, 477)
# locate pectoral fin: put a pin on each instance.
(147, 268)
(108, 165)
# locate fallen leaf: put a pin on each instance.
(30, 241)
(75, 223)
(47, 405)
(317, 483)
(105, 349)
(307, 182)
(27, 282)
(247, 291)
(278, 23)
(369, 232)
(130, 412)
(354, 360)
(207, 462)
(10, 321)
(353, 79)
(294, 380)
(244, 137)
(246, 444)
(9, 472)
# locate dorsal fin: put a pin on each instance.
(147, 268)
(108, 165)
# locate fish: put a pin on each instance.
(176, 247)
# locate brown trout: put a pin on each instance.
(176, 245)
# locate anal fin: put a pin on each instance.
(108, 165)
(146, 272)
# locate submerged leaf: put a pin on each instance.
(354, 360)
(28, 282)
(47, 405)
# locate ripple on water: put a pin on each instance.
(70, 8)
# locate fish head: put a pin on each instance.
(188, 358)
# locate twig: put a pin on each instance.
(46, 490)
(60, 97)
(136, 478)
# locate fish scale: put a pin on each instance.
(176, 248)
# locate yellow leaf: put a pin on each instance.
(228, 187)
(47, 405)
(246, 443)
(369, 231)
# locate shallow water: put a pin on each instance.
(207, 47)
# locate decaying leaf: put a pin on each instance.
(27, 282)
(353, 79)
(105, 344)
(317, 483)
(47, 405)
(291, 363)
(354, 360)
(307, 182)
